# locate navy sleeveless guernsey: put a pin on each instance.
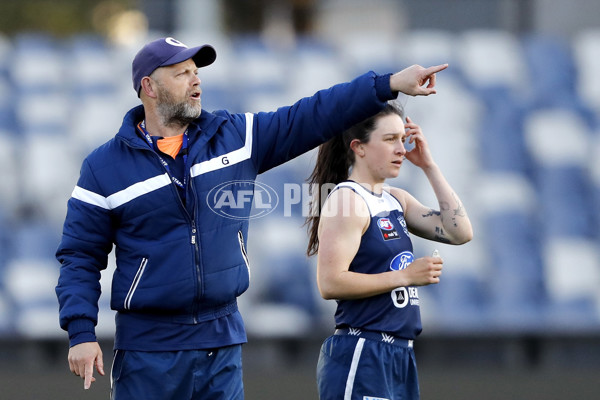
(385, 246)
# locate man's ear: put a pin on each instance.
(357, 147)
(148, 87)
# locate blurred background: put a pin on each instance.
(515, 127)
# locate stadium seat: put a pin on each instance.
(41, 113)
(9, 184)
(297, 291)
(32, 230)
(36, 65)
(96, 122)
(30, 284)
(458, 304)
(506, 204)
(7, 119)
(5, 244)
(572, 278)
(460, 301)
(48, 182)
(586, 53)
(8, 122)
(313, 66)
(491, 58)
(277, 321)
(559, 142)
(551, 70)
(370, 51)
(366, 36)
(90, 66)
(595, 177)
(429, 47)
(257, 66)
(282, 300)
(500, 134)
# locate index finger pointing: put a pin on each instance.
(88, 371)
(436, 68)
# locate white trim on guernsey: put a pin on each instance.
(353, 368)
(233, 157)
(376, 204)
(149, 185)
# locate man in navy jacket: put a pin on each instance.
(180, 265)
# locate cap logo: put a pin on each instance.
(175, 42)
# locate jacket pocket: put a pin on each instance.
(136, 281)
(117, 367)
(243, 251)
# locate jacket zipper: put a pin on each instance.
(193, 240)
(243, 250)
(198, 272)
(193, 231)
(136, 280)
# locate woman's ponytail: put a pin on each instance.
(332, 167)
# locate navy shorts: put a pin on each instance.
(175, 375)
(368, 366)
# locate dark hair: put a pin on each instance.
(334, 160)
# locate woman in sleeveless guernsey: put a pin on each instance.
(365, 261)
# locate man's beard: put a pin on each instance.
(176, 113)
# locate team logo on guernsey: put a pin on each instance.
(403, 224)
(402, 261)
(388, 231)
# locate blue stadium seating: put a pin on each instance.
(528, 120)
(566, 201)
(552, 70)
(517, 283)
(501, 139)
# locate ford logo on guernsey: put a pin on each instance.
(402, 261)
(233, 199)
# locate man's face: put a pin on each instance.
(178, 93)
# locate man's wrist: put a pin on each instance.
(81, 331)
(83, 337)
(383, 88)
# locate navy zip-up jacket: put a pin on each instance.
(179, 264)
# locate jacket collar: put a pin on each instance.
(205, 126)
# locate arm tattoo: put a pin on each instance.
(456, 213)
(431, 213)
(440, 236)
(442, 239)
(459, 211)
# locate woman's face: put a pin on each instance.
(384, 152)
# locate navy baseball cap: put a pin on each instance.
(167, 51)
